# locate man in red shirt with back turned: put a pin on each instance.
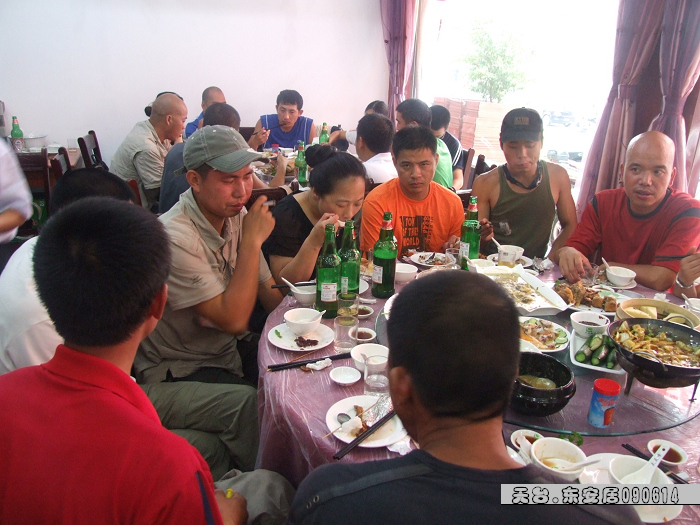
(79, 440)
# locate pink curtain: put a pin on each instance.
(638, 26)
(399, 24)
(680, 69)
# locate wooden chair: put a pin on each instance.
(370, 185)
(464, 196)
(60, 164)
(468, 170)
(90, 150)
(135, 188)
(273, 195)
(246, 132)
(36, 168)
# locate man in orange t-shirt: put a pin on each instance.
(425, 214)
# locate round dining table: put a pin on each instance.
(292, 407)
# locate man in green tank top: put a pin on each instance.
(521, 197)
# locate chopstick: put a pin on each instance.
(359, 439)
(305, 283)
(297, 364)
(647, 457)
(268, 129)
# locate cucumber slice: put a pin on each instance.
(599, 356)
(562, 337)
(596, 341)
(612, 359)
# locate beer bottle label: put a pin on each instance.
(329, 292)
(344, 285)
(377, 274)
(464, 250)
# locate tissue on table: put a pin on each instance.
(320, 365)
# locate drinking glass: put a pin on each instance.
(376, 375)
(348, 304)
(506, 257)
(591, 277)
(454, 253)
(345, 338)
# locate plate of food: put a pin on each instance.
(532, 297)
(597, 352)
(525, 262)
(362, 417)
(545, 335)
(583, 298)
(282, 337)
(432, 259)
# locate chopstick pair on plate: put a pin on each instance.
(359, 439)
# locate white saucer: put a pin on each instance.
(525, 261)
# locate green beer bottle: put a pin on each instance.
(328, 276)
(324, 134)
(349, 261)
(385, 253)
(471, 235)
(301, 166)
(17, 136)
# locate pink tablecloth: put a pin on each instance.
(292, 406)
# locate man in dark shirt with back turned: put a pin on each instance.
(451, 398)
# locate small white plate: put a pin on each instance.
(597, 474)
(365, 316)
(514, 455)
(443, 258)
(368, 331)
(526, 262)
(558, 348)
(391, 432)
(364, 286)
(576, 343)
(282, 337)
(527, 346)
(388, 305)
(345, 375)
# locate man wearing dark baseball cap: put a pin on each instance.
(521, 198)
(218, 270)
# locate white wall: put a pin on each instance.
(68, 66)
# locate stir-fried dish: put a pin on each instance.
(644, 341)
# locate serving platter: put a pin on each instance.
(576, 343)
(548, 301)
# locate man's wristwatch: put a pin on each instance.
(681, 285)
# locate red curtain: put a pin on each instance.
(638, 27)
(399, 24)
(680, 69)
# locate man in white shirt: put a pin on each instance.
(15, 197)
(375, 134)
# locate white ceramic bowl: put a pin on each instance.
(366, 335)
(620, 276)
(694, 305)
(405, 272)
(531, 434)
(548, 447)
(517, 249)
(369, 349)
(306, 295)
(656, 443)
(620, 466)
(364, 311)
(473, 264)
(345, 375)
(580, 321)
(302, 321)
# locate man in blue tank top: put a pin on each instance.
(518, 200)
(286, 127)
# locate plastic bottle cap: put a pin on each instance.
(607, 387)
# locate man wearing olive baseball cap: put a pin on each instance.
(519, 200)
(218, 270)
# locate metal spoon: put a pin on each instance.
(342, 418)
(643, 475)
(524, 449)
